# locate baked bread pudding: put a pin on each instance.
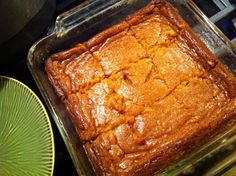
(143, 93)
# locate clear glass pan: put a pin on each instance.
(90, 18)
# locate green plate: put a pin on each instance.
(26, 138)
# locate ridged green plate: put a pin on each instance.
(26, 138)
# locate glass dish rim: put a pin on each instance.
(60, 29)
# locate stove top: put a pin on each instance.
(222, 13)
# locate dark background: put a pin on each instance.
(16, 67)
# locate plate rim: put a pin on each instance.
(44, 111)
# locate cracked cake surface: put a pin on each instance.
(143, 93)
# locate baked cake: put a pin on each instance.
(143, 93)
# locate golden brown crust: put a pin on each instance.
(131, 86)
(106, 34)
(53, 71)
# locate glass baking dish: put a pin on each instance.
(88, 19)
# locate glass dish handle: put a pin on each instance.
(81, 13)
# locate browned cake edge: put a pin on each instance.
(205, 57)
(64, 55)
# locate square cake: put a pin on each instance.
(143, 93)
